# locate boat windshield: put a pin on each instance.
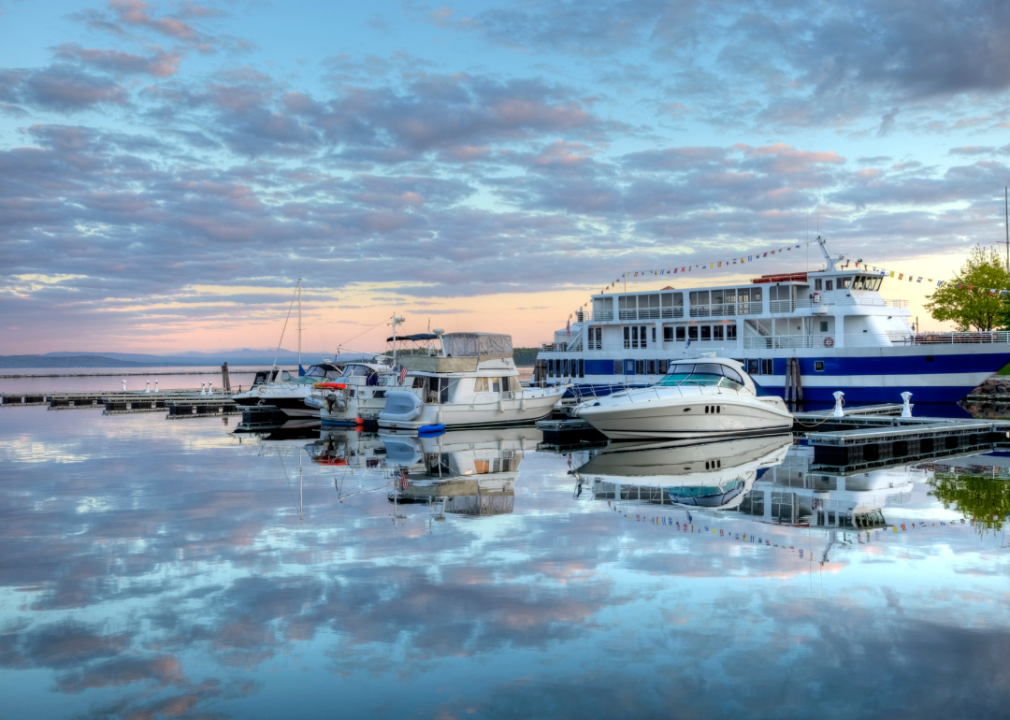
(696, 378)
(315, 373)
(703, 374)
(356, 371)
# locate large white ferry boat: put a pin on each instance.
(826, 330)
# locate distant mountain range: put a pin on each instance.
(242, 356)
(239, 357)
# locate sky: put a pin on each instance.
(169, 170)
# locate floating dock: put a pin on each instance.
(875, 436)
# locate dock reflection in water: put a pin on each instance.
(156, 569)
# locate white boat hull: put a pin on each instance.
(703, 415)
(507, 411)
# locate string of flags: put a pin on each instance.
(859, 264)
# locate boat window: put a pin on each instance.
(731, 332)
(618, 367)
(682, 368)
(650, 367)
(667, 334)
(699, 297)
(663, 367)
(356, 371)
(766, 366)
(732, 374)
(844, 283)
(730, 383)
(681, 333)
(817, 284)
(418, 381)
(627, 337)
(641, 334)
(752, 367)
(743, 295)
(711, 368)
(755, 295)
(692, 332)
(706, 332)
(717, 297)
(496, 383)
(653, 333)
(717, 332)
(480, 385)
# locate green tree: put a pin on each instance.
(985, 501)
(973, 306)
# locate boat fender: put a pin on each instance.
(829, 342)
(522, 405)
(329, 386)
(436, 429)
(816, 298)
(501, 406)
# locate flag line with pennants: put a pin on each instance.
(754, 257)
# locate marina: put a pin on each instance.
(504, 361)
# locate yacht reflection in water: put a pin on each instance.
(765, 479)
(468, 472)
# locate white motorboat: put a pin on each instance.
(288, 393)
(472, 381)
(358, 393)
(700, 399)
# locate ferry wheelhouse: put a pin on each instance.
(828, 330)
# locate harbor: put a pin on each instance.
(504, 361)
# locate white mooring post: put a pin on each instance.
(203, 389)
(839, 400)
(147, 388)
(210, 388)
(156, 386)
(906, 410)
(124, 385)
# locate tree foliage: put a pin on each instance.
(973, 306)
(985, 501)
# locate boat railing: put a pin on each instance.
(668, 313)
(954, 338)
(726, 309)
(806, 303)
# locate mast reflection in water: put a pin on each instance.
(154, 569)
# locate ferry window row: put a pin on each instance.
(636, 336)
(860, 282)
(704, 303)
(566, 368)
(702, 333)
(734, 301)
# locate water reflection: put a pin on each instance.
(172, 571)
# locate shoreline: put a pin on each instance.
(121, 374)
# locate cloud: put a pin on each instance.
(161, 64)
(62, 88)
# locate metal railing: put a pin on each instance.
(777, 342)
(649, 314)
(847, 301)
(725, 309)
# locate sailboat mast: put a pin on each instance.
(299, 323)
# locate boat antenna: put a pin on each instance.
(1006, 224)
(396, 321)
(824, 250)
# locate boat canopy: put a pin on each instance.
(483, 346)
(416, 338)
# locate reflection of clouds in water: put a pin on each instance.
(198, 560)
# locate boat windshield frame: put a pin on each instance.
(696, 378)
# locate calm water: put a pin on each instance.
(165, 569)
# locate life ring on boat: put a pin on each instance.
(816, 297)
(829, 342)
(329, 386)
